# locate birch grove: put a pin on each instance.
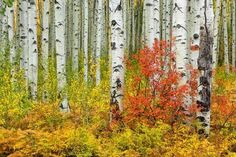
(64, 52)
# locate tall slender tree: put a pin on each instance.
(233, 33)
(45, 48)
(24, 43)
(10, 23)
(117, 57)
(180, 35)
(99, 40)
(216, 32)
(205, 67)
(33, 49)
(60, 15)
(225, 30)
(76, 35)
(85, 39)
(52, 42)
(149, 34)
(156, 19)
(198, 16)
(4, 29)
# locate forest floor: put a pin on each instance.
(40, 129)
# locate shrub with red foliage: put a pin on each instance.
(155, 92)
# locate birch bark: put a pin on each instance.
(10, 21)
(233, 33)
(85, 40)
(180, 35)
(76, 34)
(157, 19)
(45, 48)
(216, 33)
(99, 40)
(205, 68)
(117, 58)
(149, 23)
(24, 37)
(33, 50)
(60, 15)
(225, 30)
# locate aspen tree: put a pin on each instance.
(85, 39)
(233, 33)
(45, 48)
(33, 50)
(24, 43)
(99, 40)
(10, 22)
(149, 34)
(157, 19)
(216, 32)
(205, 67)
(60, 15)
(225, 30)
(4, 29)
(76, 35)
(198, 17)
(180, 35)
(117, 57)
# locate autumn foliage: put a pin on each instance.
(153, 103)
(155, 92)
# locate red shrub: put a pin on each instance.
(155, 92)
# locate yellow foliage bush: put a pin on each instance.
(29, 128)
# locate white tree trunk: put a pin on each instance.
(85, 39)
(157, 24)
(198, 16)
(133, 25)
(225, 30)
(197, 8)
(60, 15)
(24, 43)
(4, 29)
(99, 40)
(216, 32)
(205, 68)
(149, 23)
(168, 19)
(126, 19)
(76, 35)
(52, 32)
(45, 48)
(163, 19)
(180, 45)
(117, 57)
(1, 35)
(233, 33)
(10, 21)
(180, 35)
(33, 50)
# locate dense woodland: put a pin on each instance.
(118, 78)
